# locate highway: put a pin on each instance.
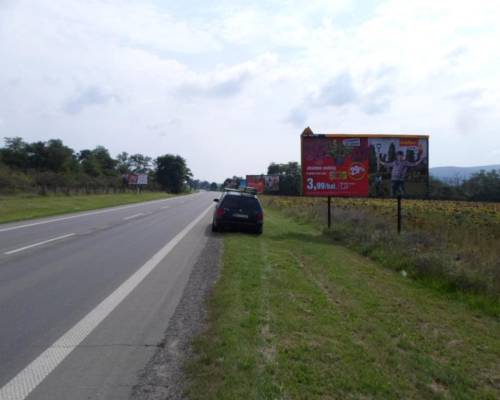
(85, 298)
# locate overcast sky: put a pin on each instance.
(230, 85)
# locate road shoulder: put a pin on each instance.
(163, 376)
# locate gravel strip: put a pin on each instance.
(163, 376)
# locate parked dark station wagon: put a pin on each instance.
(238, 209)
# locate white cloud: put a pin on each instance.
(144, 77)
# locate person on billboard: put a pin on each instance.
(399, 169)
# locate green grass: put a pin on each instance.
(17, 208)
(295, 317)
(452, 246)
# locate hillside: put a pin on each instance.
(460, 173)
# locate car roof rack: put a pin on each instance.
(250, 190)
(247, 190)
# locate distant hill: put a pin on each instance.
(459, 173)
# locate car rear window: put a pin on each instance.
(245, 203)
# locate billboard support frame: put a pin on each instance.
(400, 198)
(329, 212)
(420, 147)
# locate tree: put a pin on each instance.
(274, 169)
(139, 163)
(172, 173)
(483, 186)
(89, 164)
(204, 185)
(106, 163)
(441, 190)
(214, 187)
(123, 163)
(97, 162)
(15, 153)
(60, 158)
(290, 177)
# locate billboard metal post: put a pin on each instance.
(399, 214)
(329, 212)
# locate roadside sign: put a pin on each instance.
(257, 182)
(142, 179)
(272, 183)
(347, 165)
(137, 179)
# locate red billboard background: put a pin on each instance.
(257, 182)
(335, 166)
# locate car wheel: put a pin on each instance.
(259, 230)
(214, 228)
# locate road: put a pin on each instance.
(85, 298)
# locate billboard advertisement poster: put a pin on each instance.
(132, 179)
(142, 179)
(137, 179)
(257, 182)
(365, 165)
(272, 183)
(243, 184)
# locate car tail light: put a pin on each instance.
(219, 213)
(260, 216)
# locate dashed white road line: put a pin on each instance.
(39, 243)
(19, 387)
(164, 207)
(133, 216)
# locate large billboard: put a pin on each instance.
(272, 183)
(345, 165)
(137, 179)
(257, 182)
(264, 183)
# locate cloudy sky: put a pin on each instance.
(231, 84)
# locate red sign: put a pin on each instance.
(335, 166)
(257, 182)
(132, 179)
(364, 165)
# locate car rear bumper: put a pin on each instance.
(230, 223)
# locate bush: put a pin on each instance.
(12, 181)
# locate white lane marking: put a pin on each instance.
(164, 207)
(133, 216)
(39, 243)
(19, 387)
(11, 228)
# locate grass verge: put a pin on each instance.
(452, 246)
(17, 208)
(295, 317)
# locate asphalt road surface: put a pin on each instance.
(86, 298)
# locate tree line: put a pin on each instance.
(196, 184)
(482, 186)
(52, 167)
